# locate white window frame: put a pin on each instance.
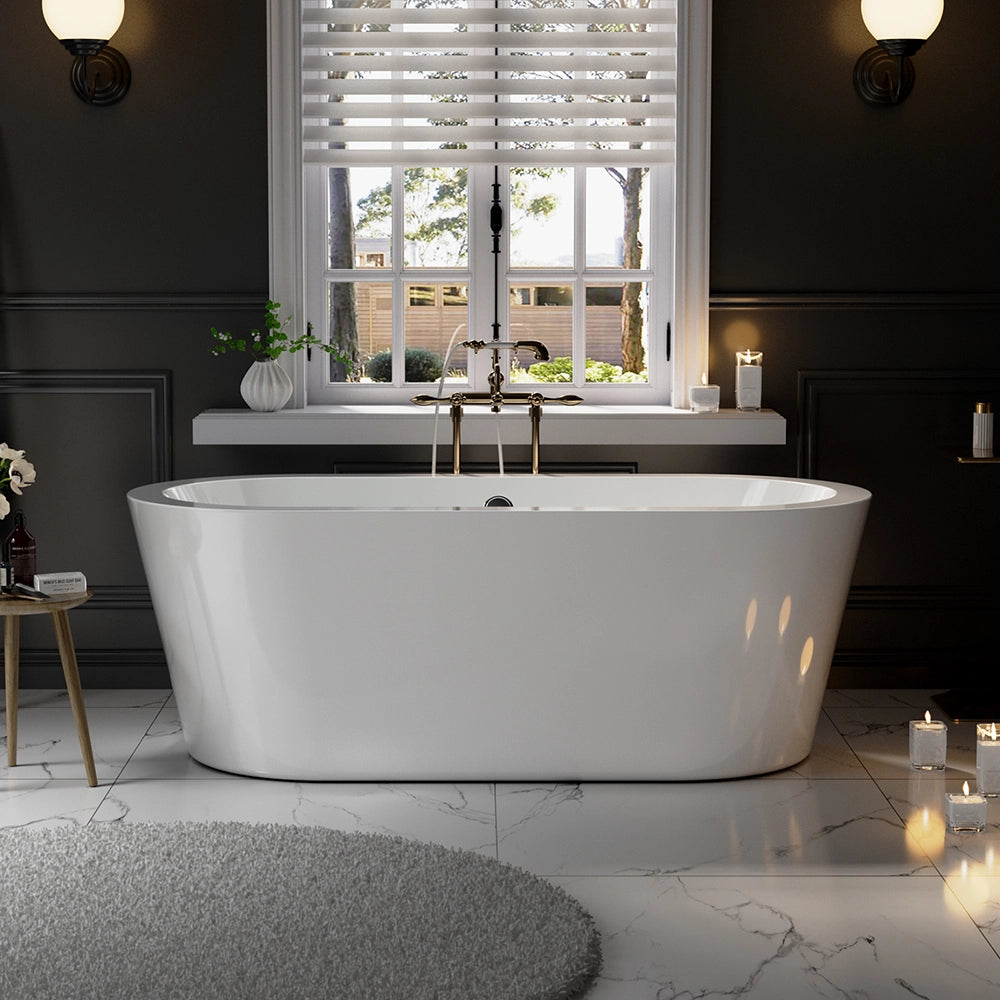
(288, 238)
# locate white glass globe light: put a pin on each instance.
(83, 19)
(898, 19)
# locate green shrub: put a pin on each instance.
(419, 364)
(561, 370)
(556, 370)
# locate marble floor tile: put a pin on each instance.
(919, 801)
(162, 753)
(881, 698)
(790, 885)
(979, 895)
(48, 745)
(48, 802)
(790, 826)
(830, 757)
(880, 737)
(453, 815)
(777, 938)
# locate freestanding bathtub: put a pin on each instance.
(395, 628)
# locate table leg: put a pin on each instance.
(11, 660)
(64, 639)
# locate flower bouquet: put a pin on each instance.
(16, 472)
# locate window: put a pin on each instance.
(524, 185)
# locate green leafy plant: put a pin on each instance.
(273, 341)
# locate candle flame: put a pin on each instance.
(927, 716)
(704, 378)
(965, 788)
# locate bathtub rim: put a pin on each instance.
(155, 494)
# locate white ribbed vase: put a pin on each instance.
(266, 386)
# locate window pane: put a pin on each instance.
(544, 313)
(435, 317)
(361, 326)
(610, 310)
(541, 217)
(617, 218)
(364, 196)
(436, 217)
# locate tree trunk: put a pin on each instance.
(633, 353)
(343, 305)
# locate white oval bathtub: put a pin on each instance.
(603, 627)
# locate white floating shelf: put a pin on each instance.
(410, 425)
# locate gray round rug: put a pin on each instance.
(237, 911)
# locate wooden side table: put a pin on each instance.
(12, 608)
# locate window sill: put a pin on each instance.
(410, 425)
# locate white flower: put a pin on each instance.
(22, 473)
(4, 506)
(9, 453)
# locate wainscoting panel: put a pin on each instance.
(899, 434)
(91, 435)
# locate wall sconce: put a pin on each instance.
(900, 27)
(100, 74)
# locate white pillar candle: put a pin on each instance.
(987, 759)
(928, 744)
(749, 379)
(965, 812)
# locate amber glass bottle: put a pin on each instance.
(21, 546)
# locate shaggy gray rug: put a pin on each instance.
(236, 911)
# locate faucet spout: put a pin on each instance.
(537, 348)
(541, 352)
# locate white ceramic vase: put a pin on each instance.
(266, 386)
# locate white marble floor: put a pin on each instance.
(836, 878)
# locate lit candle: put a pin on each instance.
(987, 759)
(965, 812)
(749, 379)
(928, 744)
(704, 397)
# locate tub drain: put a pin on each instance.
(498, 502)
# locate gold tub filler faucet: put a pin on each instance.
(495, 398)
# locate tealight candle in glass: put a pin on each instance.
(704, 397)
(987, 759)
(749, 379)
(928, 744)
(965, 813)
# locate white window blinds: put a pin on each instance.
(551, 82)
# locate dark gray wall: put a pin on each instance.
(854, 246)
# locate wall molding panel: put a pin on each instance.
(816, 386)
(99, 668)
(155, 386)
(855, 300)
(105, 431)
(113, 302)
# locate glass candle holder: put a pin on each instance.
(704, 398)
(965, 812)
(749, 379)
(987, 759)
(928, 744)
